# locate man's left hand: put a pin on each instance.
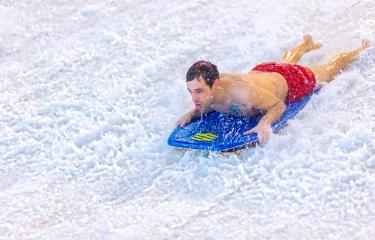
(263, 132)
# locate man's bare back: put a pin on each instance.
(238, 90)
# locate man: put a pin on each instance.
(266, 88)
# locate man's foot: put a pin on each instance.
(308, 44)
(294, 55)
(365, 44)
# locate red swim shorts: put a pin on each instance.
(301, 80)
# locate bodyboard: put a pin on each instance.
(216, 131)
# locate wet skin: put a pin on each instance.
(240, 95)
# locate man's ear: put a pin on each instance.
(217, 83)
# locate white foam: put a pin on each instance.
(90, 91)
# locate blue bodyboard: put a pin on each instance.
(216, 131)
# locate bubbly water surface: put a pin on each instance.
(90, 90)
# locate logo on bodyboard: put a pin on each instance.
(204, 137)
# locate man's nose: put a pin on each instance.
(194, 97)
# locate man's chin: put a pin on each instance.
(201, 108)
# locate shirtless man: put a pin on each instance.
(266, 88)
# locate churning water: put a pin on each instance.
(90, 90)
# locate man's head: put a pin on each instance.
(200, 79)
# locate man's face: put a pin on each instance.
(201, 93)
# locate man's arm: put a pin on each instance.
(187, 117)
(262, 99)
(273, 113)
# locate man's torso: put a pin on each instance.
(238, 87)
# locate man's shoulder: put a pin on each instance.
(230, 76)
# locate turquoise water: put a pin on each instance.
(90, 90)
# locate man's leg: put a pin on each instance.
(327, 72)
(294, 55)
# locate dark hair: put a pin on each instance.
(204, 69)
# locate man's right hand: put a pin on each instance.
(186, 119)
